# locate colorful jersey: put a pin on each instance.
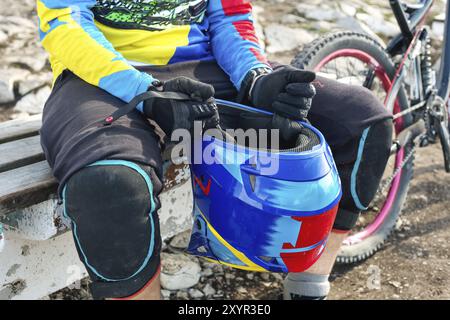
(102, 41)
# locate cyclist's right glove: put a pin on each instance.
(178, 114)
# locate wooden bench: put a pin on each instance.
(37, 251)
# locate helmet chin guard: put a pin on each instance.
(264, 210)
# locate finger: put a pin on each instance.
(204, 91)
(193, 88)
(295, 102)
(203, 111)
(289, 129)
(306, 90)
(289, 111)
(300, 76)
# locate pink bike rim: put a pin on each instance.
(380, 72)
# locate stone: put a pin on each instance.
(302, 8)
(19, 115)
(265, 276)
(179, 271)
(277, 276)
(229, 276)
(6, 91)
(241, 290)
(181, 240)
(21, 22)
(3, 38)
(218, 268)
(195, 294)
(437, 30)
(33, 103)
(350, 23)
(324, 14)
(281, 38)
(9, 78)
(182, 295)
(165, 294)
(208, 290)
(207, 272)
(379, 25)
(34, 81)
(33, 63)
(395, 284)
(347, 9)
(258, 14)
(291, 19)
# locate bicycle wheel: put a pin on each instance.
(349, 57)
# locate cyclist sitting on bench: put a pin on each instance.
(105, 52)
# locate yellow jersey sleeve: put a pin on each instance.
(68, 33)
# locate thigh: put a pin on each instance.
(73, 136)
(342, 112)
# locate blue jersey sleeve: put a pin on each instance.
(233, 38)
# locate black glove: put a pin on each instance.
(288, 92)
(174, 114)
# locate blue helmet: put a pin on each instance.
(252, 217)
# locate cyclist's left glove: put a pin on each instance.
(286, 91)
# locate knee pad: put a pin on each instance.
(373, 154)
(306, 286)
(361, 179)
(113, 209)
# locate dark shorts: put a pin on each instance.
(72, 135)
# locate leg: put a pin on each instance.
(110, 179)
(359, 131)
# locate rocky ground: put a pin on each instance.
(25, 76)
(414, 264)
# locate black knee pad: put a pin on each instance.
(113, 209)
(373, 154)
(361, 179)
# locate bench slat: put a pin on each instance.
(25, 186)
(26, 180)
(18, 153)
(20, 128)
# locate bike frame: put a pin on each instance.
(411, 30)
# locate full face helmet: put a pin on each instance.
(264, 210)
